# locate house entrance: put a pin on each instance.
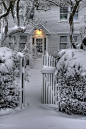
(39, 42)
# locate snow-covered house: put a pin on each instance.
(52, 36)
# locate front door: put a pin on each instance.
(39, 46)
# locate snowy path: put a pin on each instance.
(36, 116)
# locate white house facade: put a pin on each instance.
(53, 35)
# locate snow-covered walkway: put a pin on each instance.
(36, 115)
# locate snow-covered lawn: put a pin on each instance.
(36, 115)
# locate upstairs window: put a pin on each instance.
(21, 10)
(63, 13)
(32, 12)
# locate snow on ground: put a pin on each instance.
(37, 115)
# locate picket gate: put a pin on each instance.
(48, 81)
(48, 60)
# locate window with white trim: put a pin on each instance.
(63, 42)
(63, 13)
(32, 12)
(23, 38)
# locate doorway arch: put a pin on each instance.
(43, 34)
(39, 42)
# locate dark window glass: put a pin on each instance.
(63, 13)
(44, 43)
(63, 42)
(23, 38)
(21, 46)
(33, 41)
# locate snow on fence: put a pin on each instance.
(48, 84)
(48, 60)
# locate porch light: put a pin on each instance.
(39, 32)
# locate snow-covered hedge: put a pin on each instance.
(71, 78)
(9, 78)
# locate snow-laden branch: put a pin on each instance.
(16, 29)
(12, 31)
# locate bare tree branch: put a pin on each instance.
(17, 10)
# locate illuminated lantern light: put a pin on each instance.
(39, 32)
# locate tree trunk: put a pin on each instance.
(71, 35)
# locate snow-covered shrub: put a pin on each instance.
(71, 79)
(9, 78)
(28, 55)
(8, 92)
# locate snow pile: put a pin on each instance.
(71, 79)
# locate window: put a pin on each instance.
(21, 17)
(11, 38)
(32, 12)
(22, 46)
(63, 42)
(85, 18)
(75, 39)
(63, 13)
(23, 38)
(21, 10)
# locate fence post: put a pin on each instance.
(22, 97)
(20, 100)
(23, 82)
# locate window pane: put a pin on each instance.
(63, 16)
(32, 12)
(63, 45)
(23, 38)
(22, 46)
(21, 17)
(75, 38)
(64, 13)
(64, 10)
(63, 38)
(75, 16)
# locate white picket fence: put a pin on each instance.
(48, 60)
(49, 83)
